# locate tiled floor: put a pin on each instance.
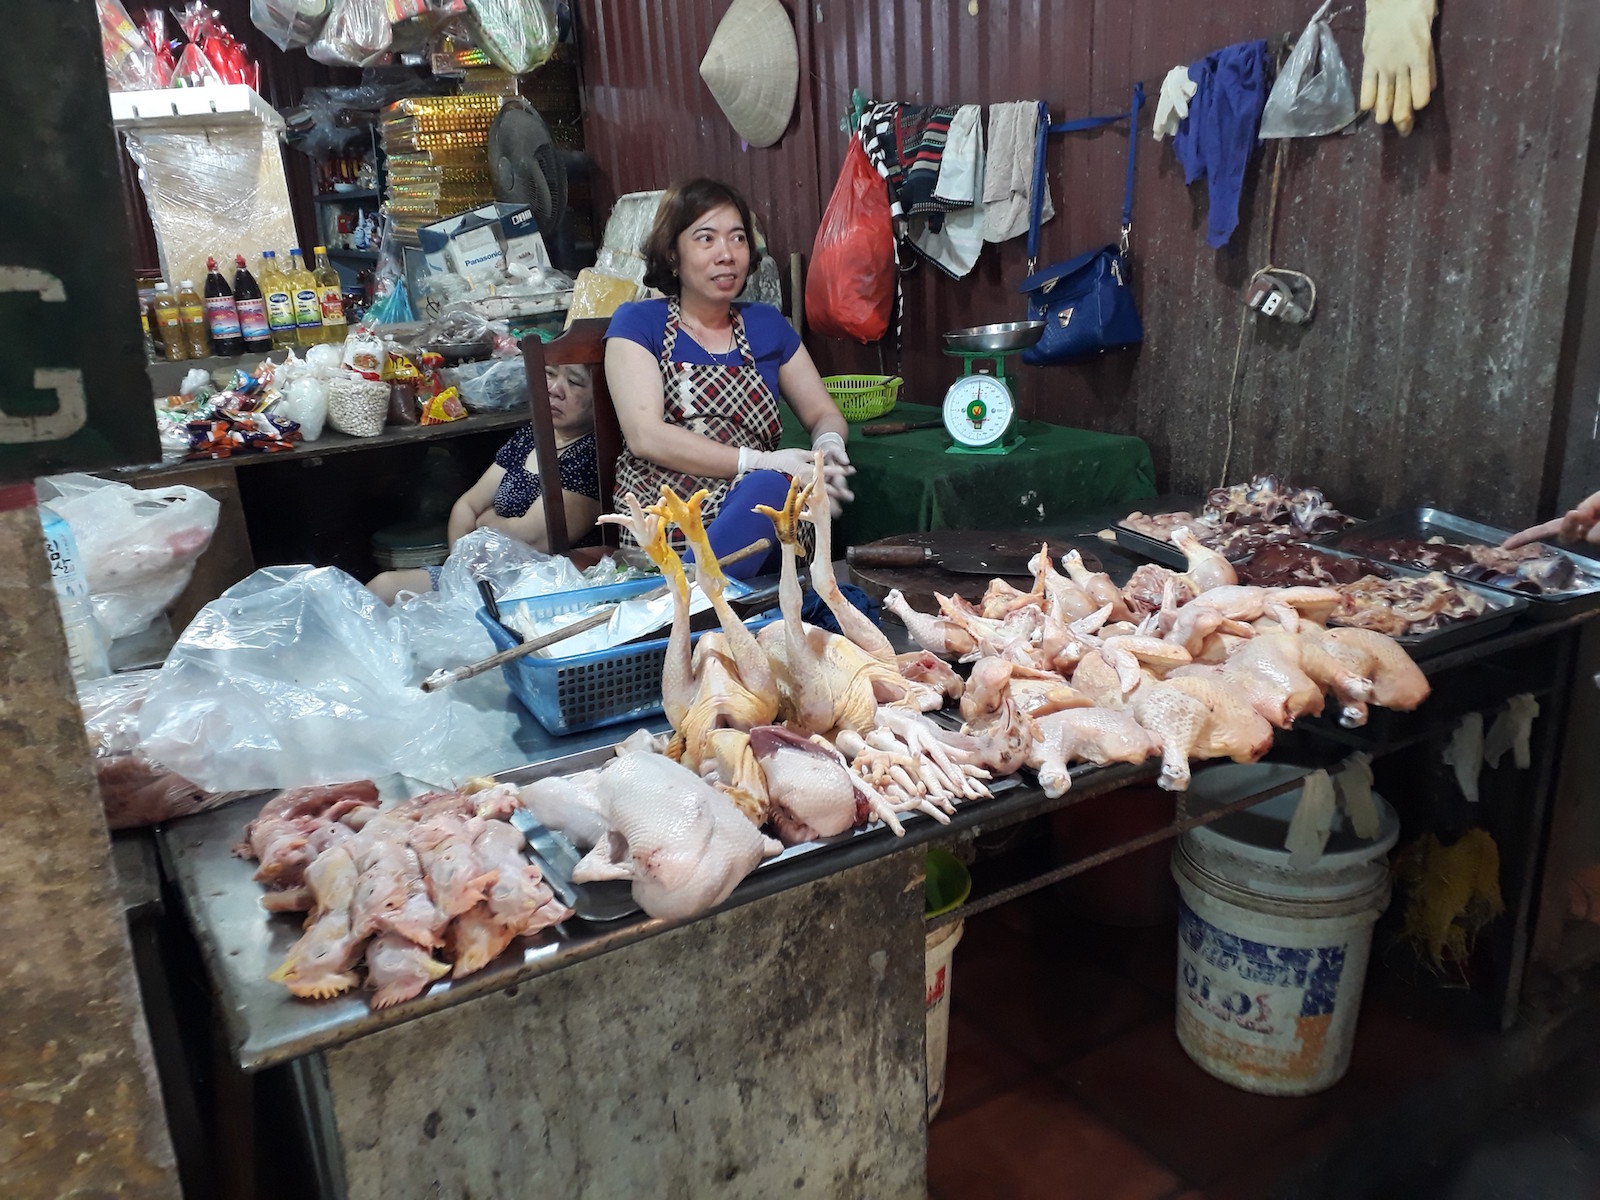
(1065, 1077)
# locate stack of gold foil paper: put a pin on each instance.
(438, 162)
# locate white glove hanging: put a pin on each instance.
(1312, 821)
(1465, 754)
(1512, 730)
(1397, 68)
(1173, 105)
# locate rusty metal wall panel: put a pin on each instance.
(649, 118)
(1441, 260)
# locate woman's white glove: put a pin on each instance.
(797, 464)
(1397, 69)
(1173, 106)
(836, 469)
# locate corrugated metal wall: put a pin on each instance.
(1441, 260)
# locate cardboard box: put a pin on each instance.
(479, 244)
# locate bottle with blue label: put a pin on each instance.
(307, 300)
(87, 644)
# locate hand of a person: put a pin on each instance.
(1578, 526)
(835, 471)
(797, 464)
(1397, 65)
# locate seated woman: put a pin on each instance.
(696, 378)
(507, 497)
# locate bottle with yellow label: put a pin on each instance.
(307, 305)
(169, 324)
(330, 293)
(193, 311)
(280, 301)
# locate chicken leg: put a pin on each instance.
(808, 695)
(853, 623)
(677, 675)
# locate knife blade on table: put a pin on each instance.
(556, 857)
(963, 562)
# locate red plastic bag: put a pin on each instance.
(850, 291)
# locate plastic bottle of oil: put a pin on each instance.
(280, 301)
(169, 324)
(330, 294)
(193, 310)
(307, 305)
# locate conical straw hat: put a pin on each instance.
(753, 69)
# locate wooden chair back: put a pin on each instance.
(583, 343)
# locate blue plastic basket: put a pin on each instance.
(600, 687)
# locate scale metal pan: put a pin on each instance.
(994, 339)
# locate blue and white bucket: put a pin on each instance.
(1272, 959)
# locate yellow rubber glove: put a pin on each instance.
(1397, 70)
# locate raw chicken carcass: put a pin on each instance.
(322, 963)
(1235, 729)
(1097, 735)
(1178, 721)
(938, 635)
(455, 878)
(398, 969)
(809, 786)
(1268, 670)
(1397, 682)
(1098, 585)
(687, 846)
(1207, 568)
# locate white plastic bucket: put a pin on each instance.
(1271, 959)
(941, 948)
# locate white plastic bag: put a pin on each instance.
(138, 547)
(305, 401)
(1312, 96)
(299, 675)
(289, 23)
(517, 35)
(357, 34)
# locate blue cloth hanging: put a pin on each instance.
(1215, 141)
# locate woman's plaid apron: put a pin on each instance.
(731, 405)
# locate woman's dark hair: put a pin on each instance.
(683, 204)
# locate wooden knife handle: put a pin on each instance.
(889, 556)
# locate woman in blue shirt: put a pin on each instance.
(696, 378)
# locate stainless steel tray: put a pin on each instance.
(1169, 555)
(1425, 523)
(1504, 608)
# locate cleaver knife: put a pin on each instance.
(963, 562)
(556, 857)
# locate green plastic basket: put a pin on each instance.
(863, 397)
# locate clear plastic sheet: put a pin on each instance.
(622, 247)
(221, 193)
(495, 385)
(299, 675)
(134, 790)
(138, 547)
(517, 35)
(357, 34)
(1312, 96)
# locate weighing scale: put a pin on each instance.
(979, 409)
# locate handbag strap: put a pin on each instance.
(1046, 129)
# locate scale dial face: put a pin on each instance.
(978, 410)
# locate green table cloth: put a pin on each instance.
(905, 482)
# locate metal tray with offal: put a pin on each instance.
(1425, 523)
(1501, 608)
(1164, 552)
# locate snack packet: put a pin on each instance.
(443, 408)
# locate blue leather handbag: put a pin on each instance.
(1085, 302)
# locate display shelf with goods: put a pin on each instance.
(350, 188)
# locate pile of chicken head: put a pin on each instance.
(1183, 665)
